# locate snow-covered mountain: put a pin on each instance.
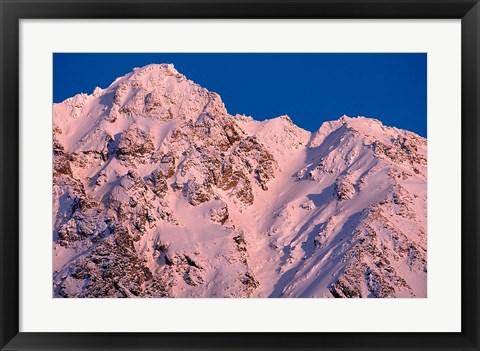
(159, 192)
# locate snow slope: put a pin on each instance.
(159, 192)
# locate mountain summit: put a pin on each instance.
(159, 192)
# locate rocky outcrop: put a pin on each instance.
(344, 188)
(219, 214)
(134, 146)
(112, 269)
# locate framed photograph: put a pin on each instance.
(239, 175)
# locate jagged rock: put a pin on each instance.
(196, 193)
(248, 279)
(344, 188)
(257, 160)
(158, 183)
(219, 214)
(168, 164)
(307, 205)
(135, 145)
(112, 269)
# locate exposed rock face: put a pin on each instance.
(112, 269)
(159, 192)
(134, 146)
(344, 188)
(219, 214)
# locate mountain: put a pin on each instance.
(159, 192)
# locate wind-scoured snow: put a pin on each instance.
(159, 192)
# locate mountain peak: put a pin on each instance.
(165, 68)
(159, 192)
(148, 75)
(359, 120)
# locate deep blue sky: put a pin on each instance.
(310, 88)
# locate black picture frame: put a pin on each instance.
(12, 11)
